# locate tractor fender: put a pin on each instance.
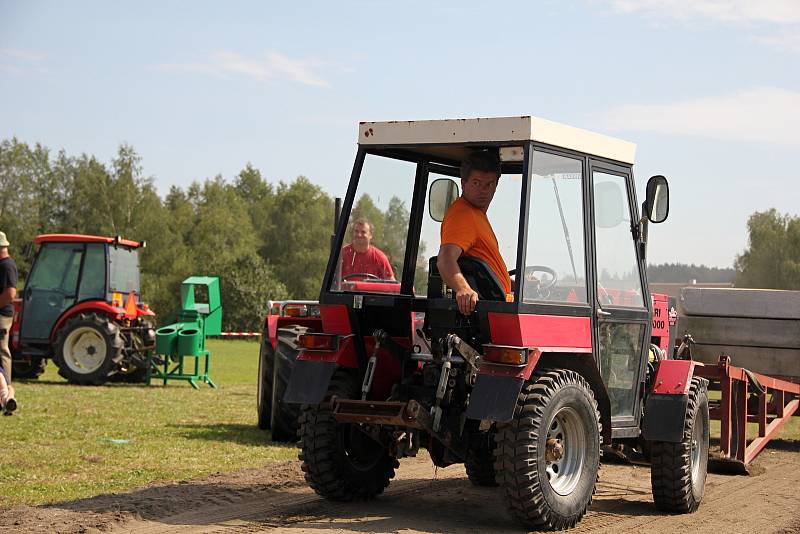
(99, 306)
(494, 396)
(585, 365)
(313, 370)
(273, 322)
(665, 408)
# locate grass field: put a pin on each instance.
(67, 442)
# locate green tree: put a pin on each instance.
(772, 258)
(297, 235)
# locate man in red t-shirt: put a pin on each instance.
(360, 257)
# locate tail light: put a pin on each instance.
(322, 342)
(505, 354)
(295, 310)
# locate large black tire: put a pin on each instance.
(678, 470)
(28, 370)
(284, 416)
(340, 462)
(88, 349)
(133, 375)
(266, 357)
(480, 460)
(557, 407)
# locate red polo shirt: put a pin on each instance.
(373, 261)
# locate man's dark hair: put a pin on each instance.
(481, 160)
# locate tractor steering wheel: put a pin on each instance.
(361, 276)
(543, 285)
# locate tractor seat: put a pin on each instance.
(479, 275)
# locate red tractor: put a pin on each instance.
(528, 389)
(81, 307)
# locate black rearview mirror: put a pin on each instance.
(657, 202)
(442, 193)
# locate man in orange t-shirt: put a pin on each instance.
(466, 229)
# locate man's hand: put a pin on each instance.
(467, 299)
(447, 263)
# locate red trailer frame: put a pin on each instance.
(736, 409)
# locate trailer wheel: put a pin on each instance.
(480, 460)
(340, 462)
(547, 457)
(28, 369)
(678, 471)
(266, 357)
(88, 349)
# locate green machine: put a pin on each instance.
(186, 337)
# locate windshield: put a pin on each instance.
(371, 258)
(124, 269)
(373, 251)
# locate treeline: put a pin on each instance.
(265, 241)
(684, 273)
(772, 258)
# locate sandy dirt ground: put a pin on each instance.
(420, 499)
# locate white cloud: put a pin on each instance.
(766, 115)
(785, 40)
(728, 11)
(272, 66)
(772, 22)
(21, 55)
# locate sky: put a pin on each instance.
(709, 90)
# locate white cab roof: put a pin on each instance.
(499, 130)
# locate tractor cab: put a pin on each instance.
(71, 269)
(525, 389)
(566, 221)
(75, 279)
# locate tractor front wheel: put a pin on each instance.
(340, 461)
(88, 349)
(678, 470)
(548, 456)
(28, 369)
(266, 359)
(283, 416)
(479, 463)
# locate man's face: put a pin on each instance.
(479, 188)
(361, 236)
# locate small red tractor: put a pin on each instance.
(532, 387)
(81, 307)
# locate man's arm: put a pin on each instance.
(447, 263)
(7, 296)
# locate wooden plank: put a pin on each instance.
(735, 302)
(741, 332)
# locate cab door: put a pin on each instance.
(50, 289)
(621, 323)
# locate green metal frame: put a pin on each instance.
(186, 337)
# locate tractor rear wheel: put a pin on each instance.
(28, 369)
(479, 463)
(266, 357)
(678, 470)
(340, 462)
(548, 456)
(88, 349)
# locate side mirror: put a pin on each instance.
(609, 205)
(657, 201)
(442, 193)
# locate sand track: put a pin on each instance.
(421, 499)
